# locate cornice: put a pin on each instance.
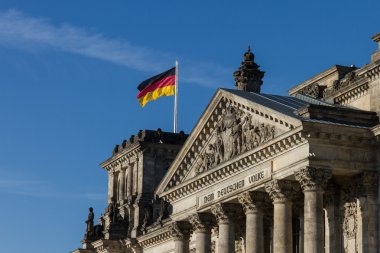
(206, 125)
(324, 74)
(104, 246)
(353, 92)
(155, 237)
(372, 71)
(258, 155)
(121, 159)
(339, 134)
(349, 90)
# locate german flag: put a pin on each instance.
(160, 85)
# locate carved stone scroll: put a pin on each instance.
(201, 221)
(253, 201)
(224, 212)
(179, 230)
(282, 190)
(312, 178)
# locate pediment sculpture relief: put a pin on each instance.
(235, 133)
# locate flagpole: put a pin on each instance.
(175, 97)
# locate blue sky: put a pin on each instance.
(69, 72)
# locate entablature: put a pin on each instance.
(242, 162)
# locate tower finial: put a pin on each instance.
(248, 77)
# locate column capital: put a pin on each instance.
(312, 178)
(180, 230)
(201, 222)
(253, 201)
(225, 212)
(281, 190)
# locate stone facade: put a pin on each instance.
(259, 173)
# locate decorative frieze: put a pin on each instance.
(282, 190)
(314, 90)
(312, 178)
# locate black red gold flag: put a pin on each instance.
(157, 86)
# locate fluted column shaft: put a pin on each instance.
(312, 181)
(224, 214)
(201, 223)
(181, 245)
(253, 203)
(282, 231)
(254, 232)
(281, 192)
(313, 221)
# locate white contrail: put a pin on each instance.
(30, 33)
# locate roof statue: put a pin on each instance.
(248, 77)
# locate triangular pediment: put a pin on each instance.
(234, 123)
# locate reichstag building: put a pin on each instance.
(258, 173)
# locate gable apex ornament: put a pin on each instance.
(248, 77)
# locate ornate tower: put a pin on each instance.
(248, 77)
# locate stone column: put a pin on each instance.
(253, 203)
(370, 182)
(201, 223)
(225, 214)
(110, 185)
(281, 192)
(181, 234)
(122, 186)
(312, 181)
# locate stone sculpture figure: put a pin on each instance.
(234, 134)
(145, 219)
(246, 133)
(219, 149)
(228, 137)
(90, 222)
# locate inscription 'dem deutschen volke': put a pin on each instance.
(224, 191)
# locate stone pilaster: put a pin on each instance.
(180, 231)
(253, 204)
(225, 214)
(129, 182)
(281, 193)
(202, 223)
(370, 184)
(312, 181)
(122, 186)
